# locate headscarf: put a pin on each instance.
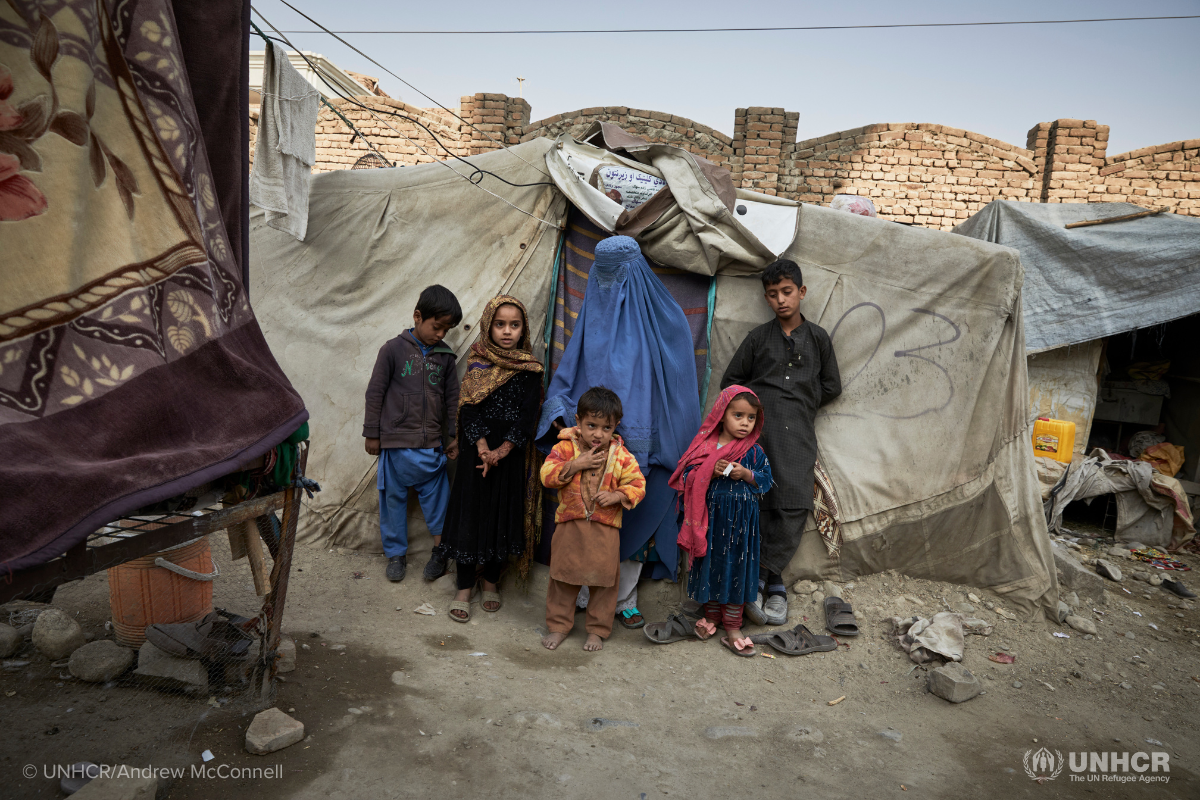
(703, 452)
(490, 366)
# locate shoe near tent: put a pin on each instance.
(928, 446)
(1099, 299)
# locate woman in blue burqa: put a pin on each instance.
(633, 338)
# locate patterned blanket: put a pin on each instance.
(131, 365)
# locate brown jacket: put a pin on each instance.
(411, 396)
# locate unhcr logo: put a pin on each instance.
(1045, 765)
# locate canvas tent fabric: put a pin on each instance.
(927, 446)
(375, 239)
(1087, 283)
(126, 337)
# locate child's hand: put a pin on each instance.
(371, 446)
(719, 469)
(452, 449)
(590, 459)
(609, 498)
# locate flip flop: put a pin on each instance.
(460, 605)
(626, 616)
(747, 651)
(798, 641)
(675, 629)
(839, 617)
(490, 597)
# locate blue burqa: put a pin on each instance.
(632, 337)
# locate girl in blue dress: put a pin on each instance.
(722, 476)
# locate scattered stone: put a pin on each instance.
(818, 597)
(398, 678)
(1074, 575)
(10, 640)
(972, 597)
(1072, 600)
(1125, 685)
(337, 647)
(1130, 635)
(728, 731)
(78, 774)
(181, 672)
(1155, 580)
(1081, 624)
(1132, 546)
(272, 730)
(954, 682)
(1106, 569)
(1017, 684)
(122, 783)
(286, 658)
(56, 635)
(26, 630)
(964, 608)
(893, 734)
(1008, 615)
(804, 587)
(1158, 687)
(100, 661)
(1118, 552)
(831, 589)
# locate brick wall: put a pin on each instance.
(916, 173)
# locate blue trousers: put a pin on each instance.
(399, 470)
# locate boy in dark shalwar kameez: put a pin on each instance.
(790, 364)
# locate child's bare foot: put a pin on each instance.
(463, 595)
(593, 643)
(552, 640)
(704, 629)
(733, 634)
(490, 605)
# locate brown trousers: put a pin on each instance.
(560, 608)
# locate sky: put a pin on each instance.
(1140, 78)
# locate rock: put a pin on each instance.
(1072, 600)
(56, 635)
(964, 608)
(972, 597)
(26, 630)
(831, 589)
(177, 672)
(1008, 615)
(10, 640)
(1130, 635)
(1081, 624)
(100, 661)
(804, 587)
(1132, 546)
(1118, 552)
(78, 774)
(272, 730)
(728, 731)
(818, 597)
(1094, 677)
(123, 782)
(954, 682)
(1075, 576)
(1106, 569)
(1155, 580)
(286, 659)
(1017, 684)
(398, 678)
(891, 733)
(1125, 685)
(1062, 612)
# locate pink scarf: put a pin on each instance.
(693, 534)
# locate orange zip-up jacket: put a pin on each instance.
(621, 474)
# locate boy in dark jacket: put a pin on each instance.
(790, 364)
(412, 393)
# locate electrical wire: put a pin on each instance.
(470, 179)
(744, 30)
(406, 83)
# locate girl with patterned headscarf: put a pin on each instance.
(495, 502)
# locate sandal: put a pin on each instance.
(798, 641)
(675, 629)
(839, 617)
(706, 625)
(490, 597)
(460, 605)
(626, 618)
(742, 647)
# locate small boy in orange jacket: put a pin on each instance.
(597, 480)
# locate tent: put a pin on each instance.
(927, 446)
(1089, 290)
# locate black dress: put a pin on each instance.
(485, 521)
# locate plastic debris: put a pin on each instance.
(1062, 635)
(476, 655)
(207, 756)
(1002, 658)
(425, 609)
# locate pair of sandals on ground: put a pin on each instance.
(690, 623)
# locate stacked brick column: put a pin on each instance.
(761, 135)
(495, 120)
(1069, 154)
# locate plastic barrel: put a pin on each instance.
(140, 593)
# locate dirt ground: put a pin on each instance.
(416, 705)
